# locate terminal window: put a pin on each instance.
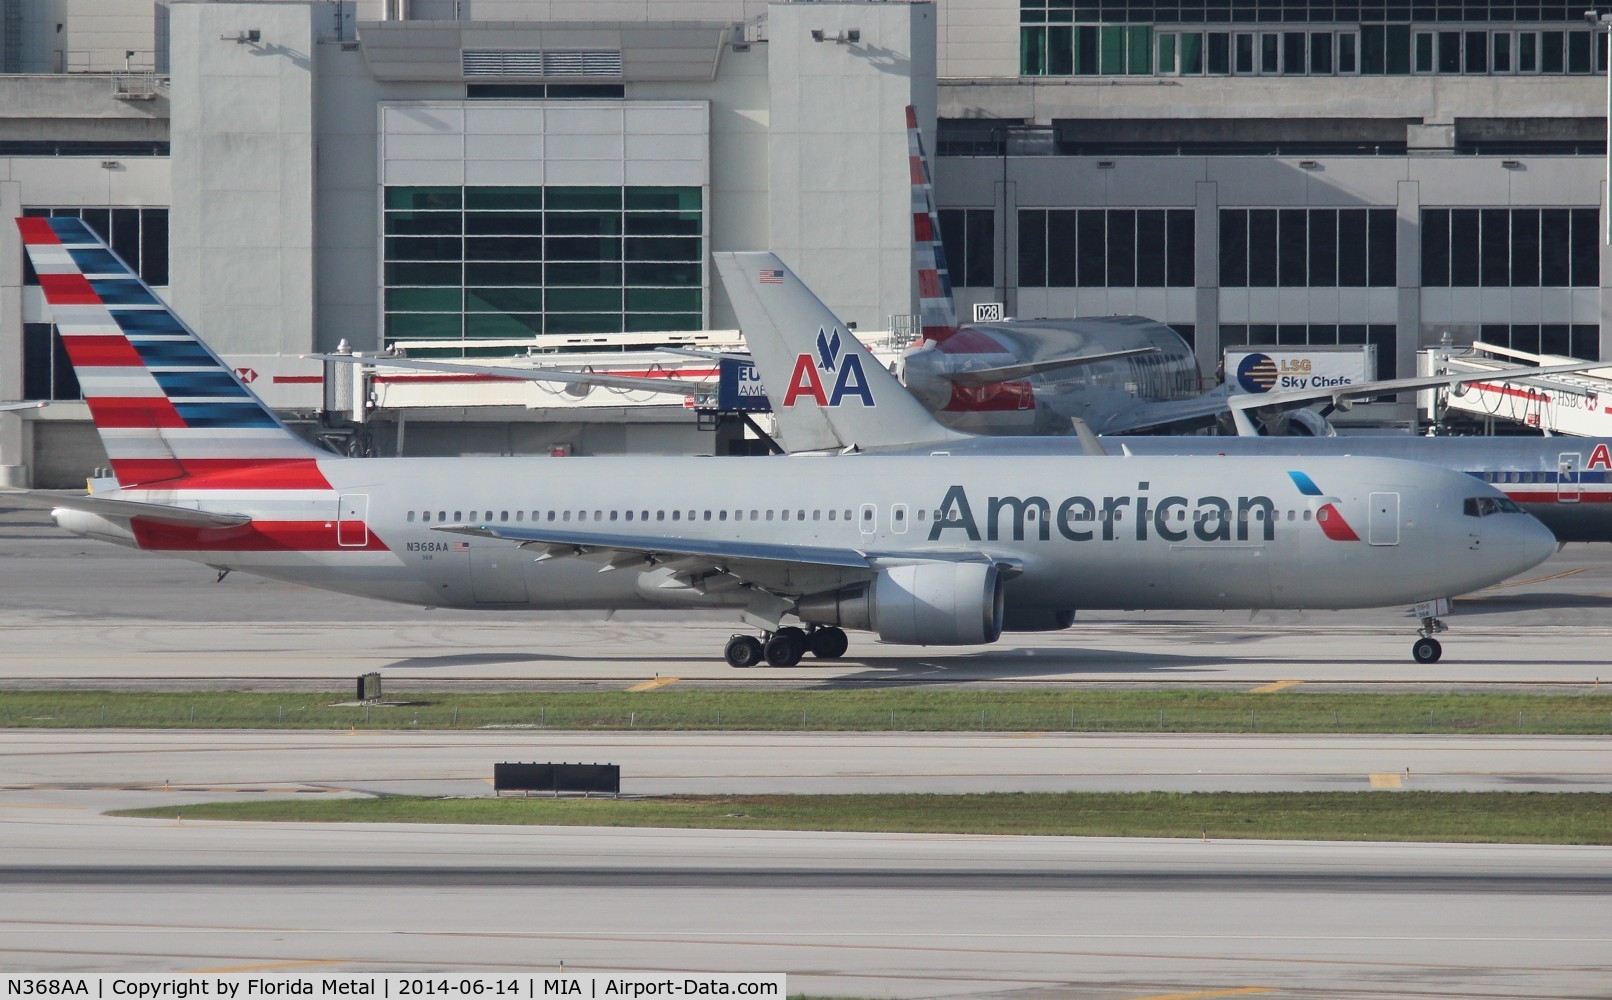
(1304, 38)
(480, 263)
(1112, 248)
(968, 235)
(1308, 247)
(1511, 247)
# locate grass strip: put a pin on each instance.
(1460, 817)
(1294, 710)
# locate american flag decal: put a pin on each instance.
(461, 546)
(771, 276)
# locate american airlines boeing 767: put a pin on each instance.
(927, 549)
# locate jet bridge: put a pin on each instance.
(1578, 404)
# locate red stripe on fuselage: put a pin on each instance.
(257, 536)
(1335, 526)
(967, 340)
(222, 473)
(133, 411)
(37, 231)
(993, 397)
(68, 290)
(101, 352)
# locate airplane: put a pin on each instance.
(1115, 374)
(1565, 482)
(25, 404)
(917, 549)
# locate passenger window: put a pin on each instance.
(707, 515)
(613, 515)
(817, 515)
(769, 514)
(754, 515)
(831, 514)
(847, 514)
(503, 515)
(489, 516)
(923, 512)
(660, 515)
(566, 516)
(643, 515)
(676, 514)
(1321, 515)
(721, 515)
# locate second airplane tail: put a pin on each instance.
(827, 391)
(166, 407)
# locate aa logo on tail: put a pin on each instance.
(839, 370)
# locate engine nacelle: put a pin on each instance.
(87, 525)
(933, 604)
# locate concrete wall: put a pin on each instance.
(241, 244)
(840, 207)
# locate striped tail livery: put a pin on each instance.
(166, 407)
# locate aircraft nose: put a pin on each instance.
(1529, 541)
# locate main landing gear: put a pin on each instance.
(786, 646)
(1427, 649)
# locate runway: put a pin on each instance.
(661, 763)
(843, 914)
(83, 613)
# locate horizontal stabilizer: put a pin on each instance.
(1008, 373)
(123, 510)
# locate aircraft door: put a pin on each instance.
(1383, 519)
(1567, 478)
(352, 520)
(867, 520)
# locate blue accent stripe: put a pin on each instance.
(172, 352)
(117, 292)
(224, 415)
(92, 260)
(1305, 484)
(149, 322)
(73, 230)
(210, 383)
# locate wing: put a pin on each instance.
(123, 510)
(1007, 373)
(666, 385)
(689, 352)
(27, 404)
(1148, 415)
(777, 575)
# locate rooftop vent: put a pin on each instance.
(593, 64)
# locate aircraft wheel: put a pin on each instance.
(743, 651)
(1427, 650)
(798, 634)
(785, 649)
(828, 643)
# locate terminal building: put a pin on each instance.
(477, 175)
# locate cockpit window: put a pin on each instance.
(1484, 506)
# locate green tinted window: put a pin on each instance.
(512, 262)
(663, 199)
(584, 299)
(423, 274)
(419, 198)
(583, 199)
(422, 223)
(504, 198)
(422, 299)
(663, 223)
(504, 299)
(663, 274)
(663, 299)
(583, 323)
(490, 325)
(425, 326)
(651, 322)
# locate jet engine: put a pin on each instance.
(930, 604)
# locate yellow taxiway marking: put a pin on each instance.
(1275, 687)
(267, 965)
(1387, 779)
(658, 682)
(1206, 994)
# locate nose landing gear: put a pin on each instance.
(1427, 649)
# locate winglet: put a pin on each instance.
(827, 391)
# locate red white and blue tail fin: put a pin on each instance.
(937, 313)
(166, 407)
